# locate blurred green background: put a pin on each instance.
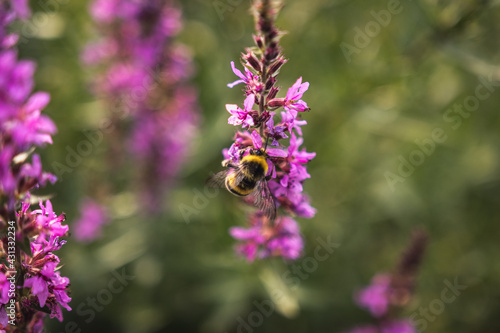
(366, 115)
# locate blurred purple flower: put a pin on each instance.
(20, 8)
(148, 74)
(11, 10)
(375, 297)
(88, 227)
(388, 292)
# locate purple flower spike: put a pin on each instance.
(23, 128)
(287, 163)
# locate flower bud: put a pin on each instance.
(270, 82)
(258, 41)
(272, 93)
(271, 52)
(252, 60)
(276, 102)
(276, 65)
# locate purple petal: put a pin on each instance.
(249, 101)
(39, 288)
(232, 108)
(297, 90)
(248, 121)
(56, 312)
(303, 87)
(276, 152)
(242, 233)
(235, 83)
(37, 101)
(237, 71)
(21, 8)
(291, 93)
(256, 139)
(62, 298)
(93, 217)
(48, 269)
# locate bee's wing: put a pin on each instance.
(217, 180)
(264, 200)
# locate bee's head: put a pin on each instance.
(258, 152)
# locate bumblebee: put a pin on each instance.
(248, 176)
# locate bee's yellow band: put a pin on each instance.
(256, 159)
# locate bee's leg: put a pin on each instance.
(268, 178)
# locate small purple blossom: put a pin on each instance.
(293, 102)
(271, 152)
(250, 79)
(48, 223)
(93, 217)
(21, 118)
(50, 288)
(276, 132)
(239, 116)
